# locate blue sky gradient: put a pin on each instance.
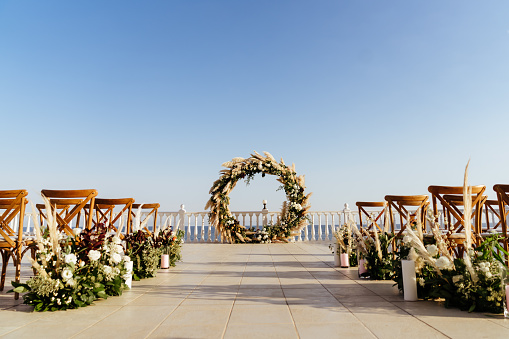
(148, 99)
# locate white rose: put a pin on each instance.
(126, 258)
(118, 249)
(66, 274)
(432, 250)
(70, 258)
(76, 231)
(94, 255)
(488, 275)
(116, 240)
(107, 269)
(116, 258)
(443, 263)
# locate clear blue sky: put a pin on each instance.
(147, 99)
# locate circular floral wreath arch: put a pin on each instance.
(293, 214)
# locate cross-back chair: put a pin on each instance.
(72, 202)
(495, 224)
(62, 209)
(105, 212)
(374, 210)
(407, 206)
(12, 211)
(450, 198)
(150, 210)
(503, 201)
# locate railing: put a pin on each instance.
(197, 229)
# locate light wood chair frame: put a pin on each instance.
(399, 203)
(153, 207)
(503, 201)
(452, 196)
(78, 199)
(104, 212)
(492, 206)
(13, 202)
(362, 205)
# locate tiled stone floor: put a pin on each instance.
(253, 291)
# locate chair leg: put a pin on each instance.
(17, 277)
(5, 261)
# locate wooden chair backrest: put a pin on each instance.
(492, 207)
(72, 202)
(503, 201)
(104, 211)
(450, 197)
(152, 208)
(400, 204)
(365, 209)
(12, 204)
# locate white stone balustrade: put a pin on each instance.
(320, 226)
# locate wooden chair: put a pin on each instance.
(491, 207)
(450, 197)
(503, 201)
(72, 202)
(62, 209)
(400, 204)
(12, 206)
(371, 209)
(152, 208)
(104, 211)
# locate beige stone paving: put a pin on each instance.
(252, 291)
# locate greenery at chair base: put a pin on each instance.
(74, 271)
(426, 275)
(483, 291)
(475, 282)
(143, 253)
(171, 244)
(379, 258)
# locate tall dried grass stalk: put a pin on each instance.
(386, 219)
(120, 224)
(420, 226)
(377, 242)
(51, 214)
(361, 241)
(38, 233)
(467, 209)
(417, 243)
(467, 215)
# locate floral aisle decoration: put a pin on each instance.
(346, 242)
(379, 255)
(170, 244)
(474, 282)
(362, 244)
(142, 250)
(73, 271)
(297, 205)
(425, 253)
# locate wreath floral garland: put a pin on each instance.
(293, 214)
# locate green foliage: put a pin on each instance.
(145, 256)
(79, 271)
(483, 292)
(380, 268)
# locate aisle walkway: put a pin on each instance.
(253, 291)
